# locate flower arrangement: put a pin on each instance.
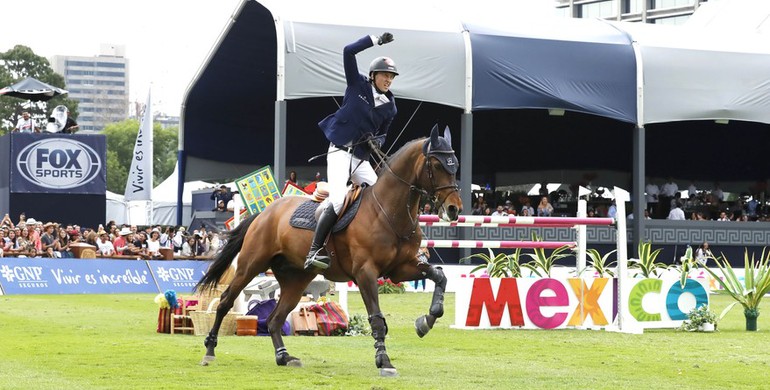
(386, 286)
(160, 299)
(358, 326)
(697, 319)
(167, 300)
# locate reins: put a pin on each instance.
(412, 188)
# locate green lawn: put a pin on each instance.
(109, 341)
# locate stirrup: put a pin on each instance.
(317, 261)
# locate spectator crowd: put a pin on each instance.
(29, 237)
(665, 202)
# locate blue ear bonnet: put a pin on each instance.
(441, 149)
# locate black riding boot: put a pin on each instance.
(315, 261)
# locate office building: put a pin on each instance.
(99, 84)
(646, 11)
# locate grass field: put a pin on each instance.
(109, 341)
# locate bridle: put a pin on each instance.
(432, 194)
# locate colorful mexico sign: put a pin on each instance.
(533, 303)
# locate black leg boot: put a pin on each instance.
(318, 262)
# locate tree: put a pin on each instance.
(17, 64)
(121, 137)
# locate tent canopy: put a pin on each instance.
(609, 77)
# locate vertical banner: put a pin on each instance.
(139, 184)
(258, 190)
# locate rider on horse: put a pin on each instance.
(367, 110)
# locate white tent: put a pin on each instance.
(164, 202)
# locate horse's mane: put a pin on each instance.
(402, 150)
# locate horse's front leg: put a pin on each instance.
(367, 284)
(424, 324)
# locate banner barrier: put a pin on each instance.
(97, 276)
(180, 275)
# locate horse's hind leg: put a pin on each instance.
(293, 283)
(367, 285)
(245, 273)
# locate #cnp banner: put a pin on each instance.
(58, 163)
(62, 276)
(180, 276)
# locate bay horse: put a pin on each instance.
(381, 241)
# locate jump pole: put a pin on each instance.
(495, 244)
(540, 221)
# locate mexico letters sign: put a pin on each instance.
(58, 163)
(549, 303)
(63, 276)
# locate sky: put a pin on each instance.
(166, 41)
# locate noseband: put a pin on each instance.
(414, 188)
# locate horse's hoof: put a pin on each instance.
(421, 326)
(294, 363)
(388, 372)
(206, 360)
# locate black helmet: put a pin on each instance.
(383, 64)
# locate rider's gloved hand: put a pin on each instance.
(386, 37)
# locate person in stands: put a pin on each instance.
(104, 245)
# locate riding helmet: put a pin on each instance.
(383, 64)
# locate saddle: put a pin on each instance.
(304, 216)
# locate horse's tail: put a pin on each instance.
(225, 257)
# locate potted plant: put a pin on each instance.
(386, 286)
(600, 263)
(700, 319)
(541, 262)
(646, 262)
(500, 265)
(750, 293)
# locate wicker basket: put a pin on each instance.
(204, 320)
(207, 296)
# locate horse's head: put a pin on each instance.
(441, 165)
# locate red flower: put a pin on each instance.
(380, 282)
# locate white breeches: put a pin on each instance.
(338, 164)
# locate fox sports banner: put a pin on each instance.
(58, 163)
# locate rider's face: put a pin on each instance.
(382, 80)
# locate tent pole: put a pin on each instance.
(466, 141)
(279, 158)
(638, 175)
(466, 172)
(279, 151)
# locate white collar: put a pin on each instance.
(379, 98)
